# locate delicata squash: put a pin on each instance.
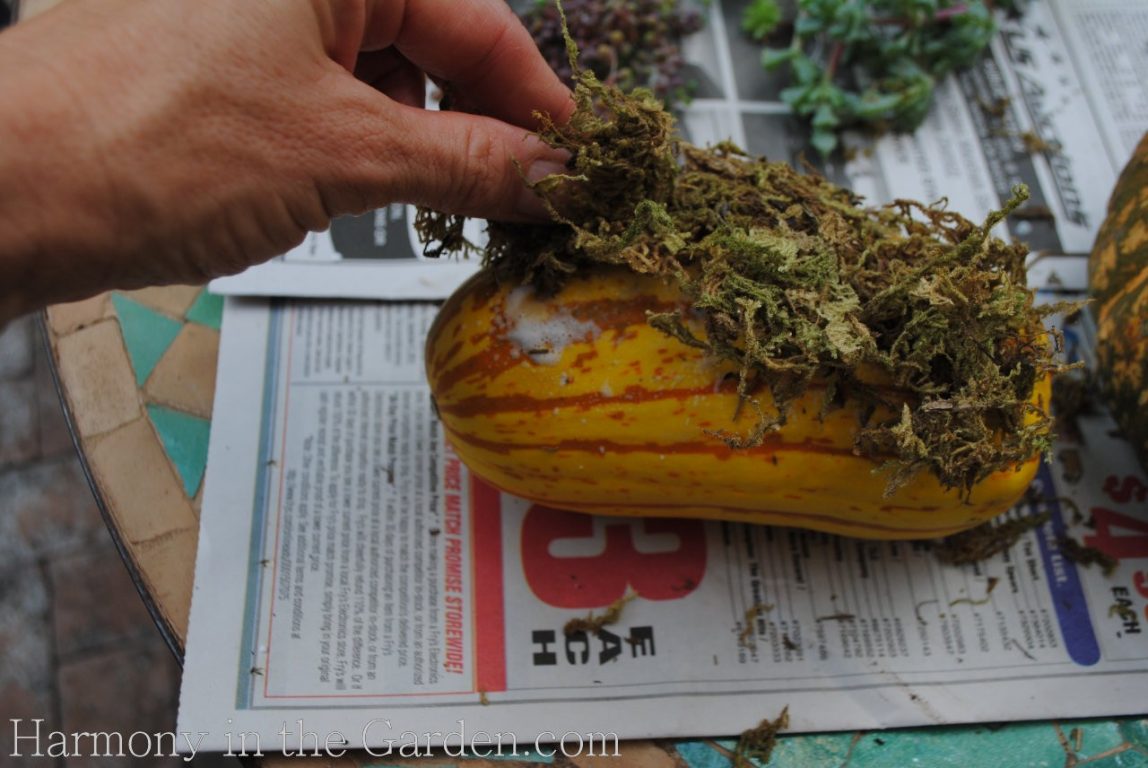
(703, 333)
(577, 402)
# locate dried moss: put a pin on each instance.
(1081, 555)
(1123, 612)
(913, 312)
(756, 744)
(990, 585)
(745, 638)
(593, 624)
(986, 540)
(1074, 394)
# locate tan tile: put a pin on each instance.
(133, 688)
(143, 493)
(167, 565)
(172, 300)
(96, 604)
(97, 378)
(67, 318)
(184, 378)
(46, 509)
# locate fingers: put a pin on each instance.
(472, 165)
(479, 47)
(388, 71)
(452, 162)
(385, 150)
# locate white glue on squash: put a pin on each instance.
(541, 331)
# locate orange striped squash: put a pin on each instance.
(577, 403)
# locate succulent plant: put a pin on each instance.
(870, 62)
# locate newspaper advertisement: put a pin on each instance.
(354, 582)
(1067, 75)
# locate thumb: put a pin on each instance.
(452, 162)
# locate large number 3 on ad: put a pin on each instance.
(574, 560)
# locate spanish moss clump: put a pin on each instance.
(911, 311)
(627, 43)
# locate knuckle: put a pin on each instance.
(480, 171)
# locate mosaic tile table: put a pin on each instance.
(137, 376)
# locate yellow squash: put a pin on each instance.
(575, 402)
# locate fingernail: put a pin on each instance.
(543, 167)
(529, 204)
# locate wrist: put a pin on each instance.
(57, 222)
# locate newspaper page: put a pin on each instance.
(1068, 74)
(377, 255)
(356, 584)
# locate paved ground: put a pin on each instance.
(77, 647)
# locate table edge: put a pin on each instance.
(173, 642)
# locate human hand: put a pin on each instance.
(159, 141)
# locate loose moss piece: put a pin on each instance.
(917, 609)
(986, 540)
(997, 108)
(1122, 612)
(593, 624)
(745, 637)
(758, 743)
(1082, 555)
(840, 616)
(989, 587)
(1037, 145)
(919, 316)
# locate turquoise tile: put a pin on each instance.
(1110, 743)
(207, 310)
(805, 750)
(1014, 746)
(184, 438)
(814, 749)
(1135, 732)
(1103, 744)
(702, 754)
(147, 334)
